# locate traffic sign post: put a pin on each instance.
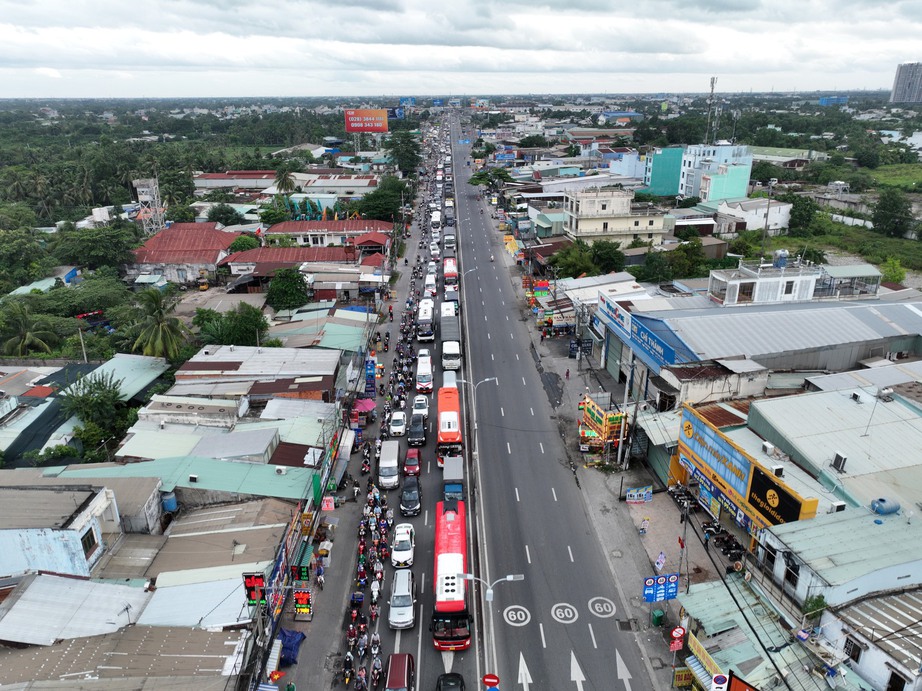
(490, 681)
(675, 645)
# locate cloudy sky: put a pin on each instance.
(153, 48)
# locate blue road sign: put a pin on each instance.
(662, 587)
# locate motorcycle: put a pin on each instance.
(366, 466)
(375, 677)
(348, 668)
(373, 615)
(375, 592)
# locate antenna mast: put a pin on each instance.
(707, 131)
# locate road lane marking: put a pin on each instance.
(532, 411)
(570, 552)
(517, 494)
(397, 642)
(501, 412)
(492, 357)
(484, 317)
(554, 492)
(602, 607)
(516, 615)
(488, 335)
(524, 383)
(541, 629)
(516, 356)
(508, 449)
(592, 635)
(507, 317)
(527, 554)
(564, 612)
(540, 445)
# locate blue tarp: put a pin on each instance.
(291, 643)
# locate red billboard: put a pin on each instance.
(366, 120)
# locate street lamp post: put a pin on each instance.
(488, 596)
(474, 397)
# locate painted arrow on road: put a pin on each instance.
(524, 675)
(624, 674)
(576, 674)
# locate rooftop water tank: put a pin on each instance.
(884, 506)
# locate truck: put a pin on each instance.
(453, 478)
(450, 335)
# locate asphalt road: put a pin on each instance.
(558, 629)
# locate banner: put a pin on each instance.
(366, 120)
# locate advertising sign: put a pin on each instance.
(662, 587)
(617, 315)
(437, 102)
(504, 157)
(302, 597)
(654, 346)
(724, 497)
(395, 113)
(366, 120)
(715, 452)
(696, 649)
(770, 499)
(681, 677)
(255, 585)
(407, 101)
(639, 495)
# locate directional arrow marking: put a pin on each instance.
(524, 675)
(576, 674)
(624, 674)
(448, 659)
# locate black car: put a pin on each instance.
(411, 496)
(450, 682)
(416, 433)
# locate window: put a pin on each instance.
(636, 224)
(650, 222)
(636, 236)
(89, 542)
(769, 557)
(649, 236)
(604, 206)
(852, 649)
(746, 291)
(789, 287)
(896, 683)
(792, 574)
(604, 226)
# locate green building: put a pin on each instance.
(663, 171)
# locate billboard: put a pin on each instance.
(437, 101)
(366, 120)
(407, 101)
(395, 113)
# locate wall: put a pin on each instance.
(722, 389)
(872, 664)
(730, 182)
(664, 166)
(42, 549)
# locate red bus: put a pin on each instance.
(450, 269)
(451, 621)
(449, 441)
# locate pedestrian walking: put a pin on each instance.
(707, 539)
(568, 375)
(542, 336)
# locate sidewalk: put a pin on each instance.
(631, 556)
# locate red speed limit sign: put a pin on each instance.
(677, 632)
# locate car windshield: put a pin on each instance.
(401, 601)
(410, 495)
(402, 546)
(387, 471)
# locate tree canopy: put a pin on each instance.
(384, 203)
(243, 243)
(287, 290)
(403, 151)
(893, 213)
(225, 214)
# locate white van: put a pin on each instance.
(389, 465)
(424, 375)
(401, 614)
(430, 288)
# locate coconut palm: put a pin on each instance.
(25, 332)
(284, 180)
(159, 332)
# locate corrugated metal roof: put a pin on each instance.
(662, 428)
(877, 377)
(41, 508)
(226, 476)
(892, 622)
(852, 271)
(210, 604)
(287, 408)
(44, 609)
(725, 414)
(248, 361)
(844, 546)
(296, 430)
(246, 442)
(156, 444)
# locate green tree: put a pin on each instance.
(575, 260)
(224, 214)
(892, 213)
(22, 257)
(287, 290)
(892, 271)
(285, 181)
(803, 210)
(243, 243)
(573, 151)
(403, 152)
(159, 332)
(492, 178)
(95, 399)
(384, 202)
(534, 141)
(607, 256)
(95, 247)
(655, 268)
(763, 171)
(688, 260)
(244, 325)
(180, 214)
(271, 215)
(25, 332)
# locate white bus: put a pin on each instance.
(435, 221)
(425, 325)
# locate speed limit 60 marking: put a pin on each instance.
(516, 615)
(602, 607)
(564, 612)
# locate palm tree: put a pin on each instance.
(284, 180)
(26, 332)
(159, 332)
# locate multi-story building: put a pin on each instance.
(704, 164)
(608, 213)
(907, 85)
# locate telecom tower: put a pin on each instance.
(151, 211)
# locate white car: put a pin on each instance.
(398, 426)
(420, 406)
(423, 352)
(403, 546)
(432, 269)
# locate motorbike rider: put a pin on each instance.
(348, 663)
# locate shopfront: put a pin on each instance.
(730, 481)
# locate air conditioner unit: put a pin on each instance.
(856, 397)
(768, 448)
(778, 470)
(838, 462)
(193, 478)
(280, 470)
(837, 506)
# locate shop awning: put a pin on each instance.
(363, 405)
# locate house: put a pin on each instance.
(326, 233)
(183, 253)
(254, 268)
(607, 213)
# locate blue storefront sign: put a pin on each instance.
(714, 452)
(665, 586)
(708, 491)
(641, 339)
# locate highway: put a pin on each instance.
(558, 629)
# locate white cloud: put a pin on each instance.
(359, 47)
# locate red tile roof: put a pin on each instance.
(354, 226)
(288, 255)
(372, 239)
(376, 259)
(185, 243)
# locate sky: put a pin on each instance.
(214, 48)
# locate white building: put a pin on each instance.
(754, 212)
(700, 160)
(608, 213)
